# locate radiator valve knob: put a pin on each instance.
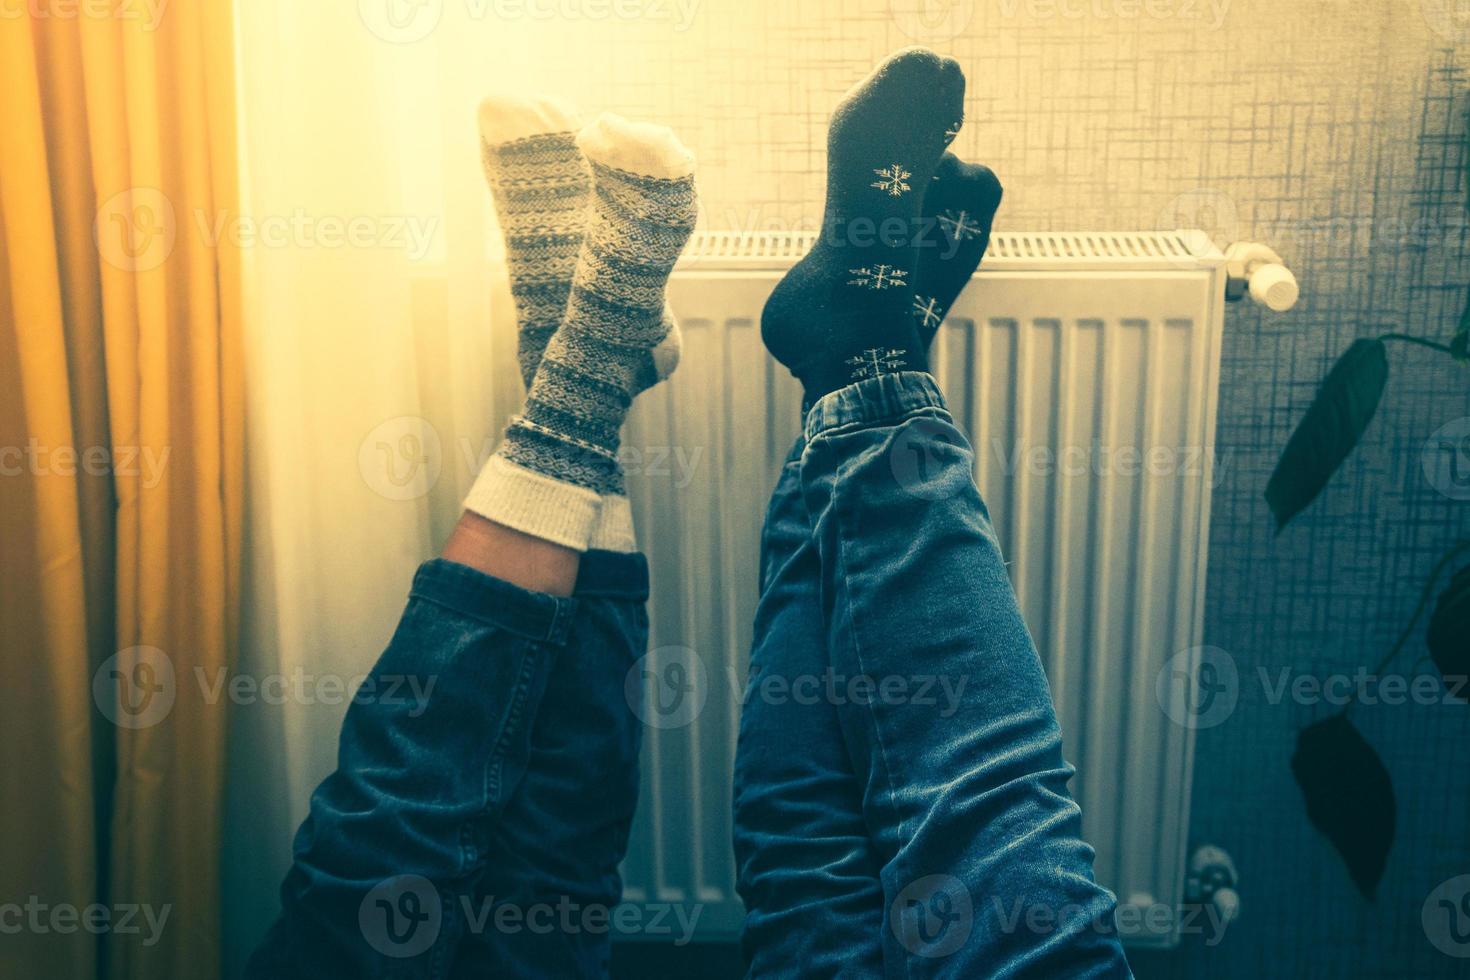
(1227, 901)
(1212, 879)
(1274, 287)
(1254, 268)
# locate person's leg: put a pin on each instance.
(513, 556)
(953, 736)
(433, 749)
(957, 742)
(386, 864)
(544, 905)
(806, 870)
(542, 184)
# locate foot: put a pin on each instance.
(961, 203)
(845, 311)
(643, 211)
(541, 186)
(556, 475)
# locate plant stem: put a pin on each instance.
(1419, 610)
(1410, 338)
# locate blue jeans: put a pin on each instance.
(901, 801)
(476, 831)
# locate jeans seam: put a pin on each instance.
(549, 635)
(841, 570)
(496, 765)
(471, 854)
(886, 422)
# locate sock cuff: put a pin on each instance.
(636, 148)
(562, 513)
(614, 528)
(506, 117)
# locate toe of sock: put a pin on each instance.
(914, 84)
(916, 57)
(950, 167)
(507, 116)
(974, 185)
(989, 187)
(636, 147)
(915, 65)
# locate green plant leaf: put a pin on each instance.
(1449, 630)
(1349, 796)
(1331, 428)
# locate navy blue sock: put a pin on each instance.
(845, 311)
(960, 204)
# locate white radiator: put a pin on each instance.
(1066, 354)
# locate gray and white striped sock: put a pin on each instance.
(541, 186)
(557, 469)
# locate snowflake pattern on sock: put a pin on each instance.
(959, 225)
(927, 312)
(892, 180)
(881, 276)
(875, 361)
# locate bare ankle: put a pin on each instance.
(512, 556)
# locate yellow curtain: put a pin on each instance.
(120, 477)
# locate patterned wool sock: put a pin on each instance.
(558, 461)
(845, 311)
(962, 201)
(542, 188)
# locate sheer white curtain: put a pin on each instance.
(381, 369)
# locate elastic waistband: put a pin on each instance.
(493, 601)
(886, 397)
(534, 615)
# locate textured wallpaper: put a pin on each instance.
(1332, 131)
